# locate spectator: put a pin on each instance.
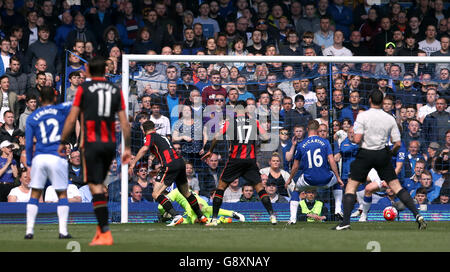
(298, 115)
(192, 177)
(209, 176)
(308, 43)
(430, 106)
(351, 111)
(128, 26)
(10, 16)
(420, 196)
(110, 39)
(73, 194)
(136, 195)
(408, 95)
(150, 82)
(31, 103)
(311, 209)
(292, 47)
(18, 81)
(444, 83)
(276, 174)
(435, 124)
(443, 197)
(342, 16)
(233, 192)
(75, 173)
(5, 56)
(444, 51)
(190, 45)
(63, 30)
(22, 192)
(287, 84)
(43, 48)
(40, 83)
(248, 194)
(209, 92)
(210, 26)
(431, 191)
(301, 87)
(143, 182)
(144, 41)
(412, 156)
(356, 46)
(430, 44)
(383, 37)
(324, 37)
(188, 132)
(8, 170)
(80, 32)
(99, 18)
(162, 123)
(272, 188)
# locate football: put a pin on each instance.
(390, 213)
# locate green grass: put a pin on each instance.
(237, 237)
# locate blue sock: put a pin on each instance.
(63, 202)
(367, 199)
(33, 201)
(295, 196)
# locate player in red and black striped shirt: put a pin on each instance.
(173, 169)
(97, 102)
(242, 134)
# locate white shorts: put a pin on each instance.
(54, 168)
(302, 185)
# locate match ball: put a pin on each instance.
(390, 213)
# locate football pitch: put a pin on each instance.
(236, 237)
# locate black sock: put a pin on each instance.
(217, 202)
(348, 202)
(194, 205)
(406, 198)
(265, 199)
(167, 205)
(101, 211)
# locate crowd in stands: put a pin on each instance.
(47, 43)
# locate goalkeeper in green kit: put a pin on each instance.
(190, 216)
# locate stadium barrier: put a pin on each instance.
(82, 213)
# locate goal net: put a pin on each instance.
(189, 97)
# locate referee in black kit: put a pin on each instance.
(373, 129)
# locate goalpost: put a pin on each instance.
(126, 59)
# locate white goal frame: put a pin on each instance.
(126, 58)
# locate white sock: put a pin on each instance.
(32, 211)
(338, 200)
(366, 207)
(293, 207)
(63, 215)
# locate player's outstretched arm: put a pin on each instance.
(68, 128)
(334, 168)
(294, 170)
(138, 156)
(211, 148)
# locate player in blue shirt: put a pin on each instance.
(45, 125)
(314, 166)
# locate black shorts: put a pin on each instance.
(367, 159)
(96, 159)
(173, 172)
(246, 168)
